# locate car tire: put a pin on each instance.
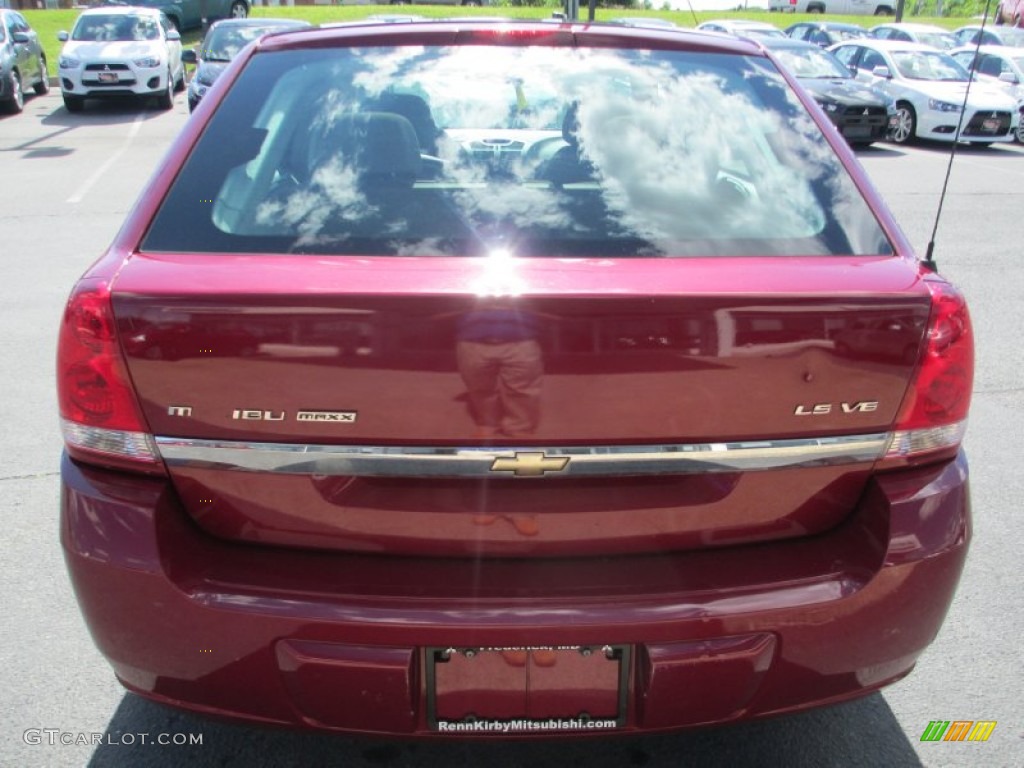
(74, 103)
(239, 10)
(1019, 134)
(179, 84)
(16, 102)
(815, 9)
(43, 86)
(906, 124)
(165, 99)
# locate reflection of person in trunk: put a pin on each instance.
(500, 361)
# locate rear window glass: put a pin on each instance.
(530, 151)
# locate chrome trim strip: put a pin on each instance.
(472, 462)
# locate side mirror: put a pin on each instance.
(174, 35)
(882, 72)
(20, 37)
(189, 56)
(1008, 77)
(62, 36)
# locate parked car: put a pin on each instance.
(22, 62)
(119, 51)
(1010, 36)
(740, 28)
(928, 87)
(514, 403)
(1000, 65)
(645, 21)
(1010, 12)
(222, 43)
(469, 3)
(194, 14)
(848, 7)
(862, 114)
(906, 32)
(824, 33)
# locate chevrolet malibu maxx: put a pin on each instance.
(457, 378)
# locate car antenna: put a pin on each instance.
(929, 262)
(692, 13)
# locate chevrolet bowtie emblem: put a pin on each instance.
(526, 464)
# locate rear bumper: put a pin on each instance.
(337, 641)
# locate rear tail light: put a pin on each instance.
(933, 417)
(100, 417)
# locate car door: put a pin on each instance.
(173, 47)
(25, 46)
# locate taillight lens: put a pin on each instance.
(100, 416)
(933, 416)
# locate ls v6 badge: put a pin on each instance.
(822, 409)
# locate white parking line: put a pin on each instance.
(89, 183)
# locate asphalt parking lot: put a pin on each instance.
(68, 182)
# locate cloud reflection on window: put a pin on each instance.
(543, 151)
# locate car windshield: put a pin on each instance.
(224, 42)
(940, 40)
(843, 33)
(527, 151)
(115, 28)
(928, 65)
(811, 63)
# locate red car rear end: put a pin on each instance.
(461, 379)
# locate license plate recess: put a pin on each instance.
(524, 689)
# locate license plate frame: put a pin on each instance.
(618, 659)
(107, 77)
(991, 125)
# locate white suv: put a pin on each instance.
(120, 51)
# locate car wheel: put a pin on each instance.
(239, 10)
(906, 124)
(472, 2)
(815, 9)
(16, 101)
(43, 86)
(73, 103)
(166, 99)
(884, 10)
(1019, 133)
(179, 84)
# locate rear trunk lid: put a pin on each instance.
(519, 407)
